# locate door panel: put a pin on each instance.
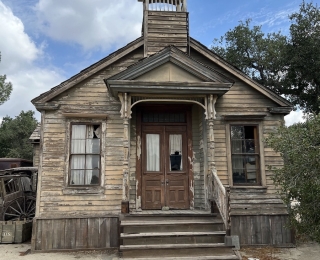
(164, 167)
(152, 168)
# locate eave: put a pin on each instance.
(180, 88)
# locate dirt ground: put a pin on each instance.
(308, 251)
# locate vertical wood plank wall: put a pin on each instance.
(75, 234)
(262, 230)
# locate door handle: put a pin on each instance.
(167, 182)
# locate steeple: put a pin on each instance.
(165, 23)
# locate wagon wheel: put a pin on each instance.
(20, 208)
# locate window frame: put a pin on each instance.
(84, 189)
(261, 177)
(85, 154)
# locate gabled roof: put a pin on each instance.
(86, 73)
(208, 74)
(210, 81)
(199, 47)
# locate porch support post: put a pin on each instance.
(210, 116)
(125, 111)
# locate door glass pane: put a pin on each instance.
(153, 152)
(175, 151)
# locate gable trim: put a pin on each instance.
(86, 73)
(239, 74)
(177, 57)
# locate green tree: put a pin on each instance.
(303, 54)
(261, 56)
(14, 135)
(299, 178)
(288, 65)
(5, 88)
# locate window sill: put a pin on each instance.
(248, 187)
(83, 190)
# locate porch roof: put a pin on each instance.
(180, 88)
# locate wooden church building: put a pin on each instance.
(158, 149)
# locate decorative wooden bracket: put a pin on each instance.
(210, 103)
(125, 100)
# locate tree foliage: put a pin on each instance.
(258, 55)
(288, 65)
(14, 135)
(303, 54)
(299, 178)
(5, 88)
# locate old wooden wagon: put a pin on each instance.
(135, 150)
(18, 193)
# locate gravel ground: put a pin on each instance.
(308, 251)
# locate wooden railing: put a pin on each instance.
(166, 5)
(221, 196)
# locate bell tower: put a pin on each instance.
(165, 23)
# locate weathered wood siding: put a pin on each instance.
(262, 230)
(242, 100)
(36, 154)
(133, 159)
(163, 29)
(54, 198)
(198, 175)
(75, 234)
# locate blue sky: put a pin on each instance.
(44, 42)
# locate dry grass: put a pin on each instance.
(264, 253)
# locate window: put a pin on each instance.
(245, 155)
(85, 155)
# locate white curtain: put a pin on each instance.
(89, 149)
(78, 146)
(153, 152)
(175, 145)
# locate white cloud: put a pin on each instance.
(294, 117)
(92, 24)
(19, 57)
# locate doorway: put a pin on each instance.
(165, 167)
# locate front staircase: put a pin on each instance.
(174, 235)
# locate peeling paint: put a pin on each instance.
(138, 198)
(138, 147)
(192, 192)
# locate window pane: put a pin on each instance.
(251, 169)
(237, 132)
(153, 152)
(237, 146)
(78, 162)
(77, 177)
(92, 162)
(175, 151)
(78, 146)
(93, 146)
(92, 177)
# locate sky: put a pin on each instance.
(45, 42)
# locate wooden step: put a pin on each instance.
(222, 257)
(176, 250)
(169, 222)
(171, 234)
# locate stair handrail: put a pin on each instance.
(221, 196)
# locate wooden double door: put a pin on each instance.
(165, 173)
